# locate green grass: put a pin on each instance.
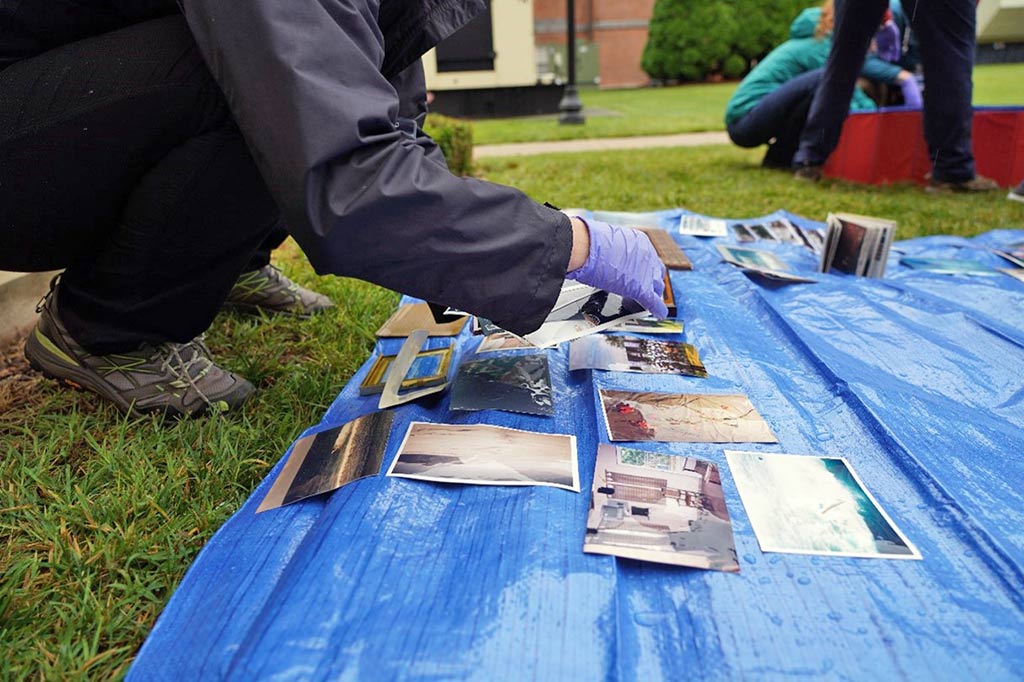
(728, 181)
(620, 113)
(686, 109)
(101, 515)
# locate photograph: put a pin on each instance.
(409, 318)
(949, 266)
(667, 509)
(1016, 273)
(599, 310)
(429, 368)
(743, 233)
(784, 231)
(752, 258)
(760, 231)
(481, 454)
(502, 341)
(803, 504)
(327, 460)
(634, 354)
(651, 325)
(762, 263)
(513, 383)
(682, 418)
(699, 226)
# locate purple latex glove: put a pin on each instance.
(911, 93)
(887, 42)
(623, 261)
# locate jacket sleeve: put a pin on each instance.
(878, 69)
(363, 195)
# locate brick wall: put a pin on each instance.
(618, 27)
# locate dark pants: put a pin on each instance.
(120, 162)
(780, 115)
(945, 30)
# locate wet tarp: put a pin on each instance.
(917, 379)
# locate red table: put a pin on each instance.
(880, 147)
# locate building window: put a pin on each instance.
(471, 48)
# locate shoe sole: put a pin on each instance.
(1019, 198)
(73, 377)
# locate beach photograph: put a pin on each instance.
(327, 460)
(482, 454)
(514, 383)
(802, 504)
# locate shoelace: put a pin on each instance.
(274, 273)
(179, 366)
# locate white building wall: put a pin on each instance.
(514, 60)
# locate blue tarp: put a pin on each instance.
(917, 379)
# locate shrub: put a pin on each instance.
(455, 138)
(693, 39)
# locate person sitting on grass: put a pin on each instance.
(156, 155)
(771, 103)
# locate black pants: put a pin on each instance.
(946, 32)
(779, 116)
(120, 162)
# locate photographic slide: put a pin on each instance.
(784, 231)
(760, 231)
(763, 263)
(682, 418)
(1015, 254)
(801, 504)
(409, 318)
(651, 325)
(513, 383)
(502, 341)
(699, 226)
(429, 368)
(743, 233)
(596, 311)
(486, 455)
(949, 266)
(667, 509)
(1016, 273)
(633, 354)
(325, 461)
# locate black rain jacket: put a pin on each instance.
(365, 193)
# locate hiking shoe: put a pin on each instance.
(268, 290)
(173, 379)
(976, 184)
(1017, 193)
(807, 173)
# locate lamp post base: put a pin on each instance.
(570, 108)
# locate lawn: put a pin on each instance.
(687, 109)
(101, 515)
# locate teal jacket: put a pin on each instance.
(800, 54)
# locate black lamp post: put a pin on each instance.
(570, 109)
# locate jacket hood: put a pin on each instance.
(804, 24)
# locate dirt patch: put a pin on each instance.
(18, 381)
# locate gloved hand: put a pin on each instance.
(623, 261)
(911, 93)
(887, 42)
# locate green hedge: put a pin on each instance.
(691, 40)
(455, 138)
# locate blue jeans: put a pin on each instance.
(945, 30)
(780, 115)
